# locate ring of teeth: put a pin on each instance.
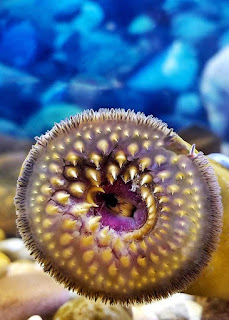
(113, 206)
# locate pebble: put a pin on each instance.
(25, 295)
(15, 249)
(85, 309)
(44, 119)
(10, 165)
(176, 69)
(215, 92)
(22, 267)
(4, 263)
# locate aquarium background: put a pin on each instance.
(167, 58)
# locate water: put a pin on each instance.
(148, 56)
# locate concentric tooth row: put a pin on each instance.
(71, 172)
(112, 172)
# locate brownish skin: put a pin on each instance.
(10, 164)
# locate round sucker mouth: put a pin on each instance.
(115, 205)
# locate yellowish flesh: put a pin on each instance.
(214, 279)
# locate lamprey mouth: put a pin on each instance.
(115, 205)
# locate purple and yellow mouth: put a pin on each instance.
(114, 204)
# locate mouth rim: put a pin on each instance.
(142, 296)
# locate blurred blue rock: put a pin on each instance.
(215, 92)
(141, 24)
(44, 119)
(178, 122)
(192, 27)
(18, 44)
(189, 105)
(220, 158)
(101, 53)
(224, 40)
(19, 93)
(55, 93)
(87, 91)
(8, 127)
(176, 69)
(91, 16)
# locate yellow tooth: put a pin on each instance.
(107, 255)
(48, 236)
(145, 192)
(77, 189)
(96, 159)
(68, 224)
(121, 280)
(88, 256)
(143, 245)
(98, 130)
(133, 148)
(120, 157)
(178, 202)
(159, 160)
(71, 172)
(146, 144)
(180, 176)
(67, 253)
(164, 175)
(56, 181)
(126, 133)
(112, 270)
(126, 176)
(165, 209)
(51, 209)
(79, 146)
(118, 244)
(146, 178)
(42, 176)
(93, 269)
(94, 176)
(136, 133)
(103, 145)
(87, 241)
(112, 170)
(104, 236)
(80, 208)
(91, 195)
(144, 163)
(46, 189)
(55, 168)
(125, 261)
(55, 156)
(65, 239)
(150, 201)
(114, 137)
(133, 172)
(133, 247)
(40, 199)
(134, 273)
(173, 189)
(108, 129)
(163, 199)
(87, 136)
(93, 223)
(157, 189)
(46, 223)
(141, 261)
(154, 258)
(62, 197)
(72, 158)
